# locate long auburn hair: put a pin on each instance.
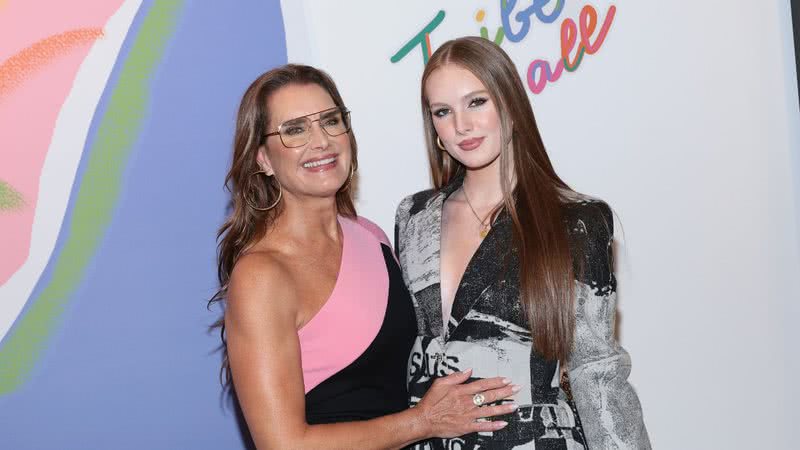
(533, 194)
(246, 225)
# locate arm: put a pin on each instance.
(264, 353)
(599, 366)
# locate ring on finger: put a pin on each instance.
(478, 399)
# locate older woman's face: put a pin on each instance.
(318, 167)
(464, 116)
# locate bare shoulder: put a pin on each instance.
(259, 287)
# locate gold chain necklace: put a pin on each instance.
(485, 224)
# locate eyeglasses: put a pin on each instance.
(297, 132)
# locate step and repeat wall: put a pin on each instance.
(116, 121)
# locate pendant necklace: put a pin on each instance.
(485, 223)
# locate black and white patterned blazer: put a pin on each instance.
(488, 332)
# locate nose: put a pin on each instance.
(318, 138)
(462, 122)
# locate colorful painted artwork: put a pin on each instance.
(578, 38)
(116, 122)
(116, 119)
(52, 77)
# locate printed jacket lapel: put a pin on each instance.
(483, 270)
(422, 264)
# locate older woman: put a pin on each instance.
(318, 323)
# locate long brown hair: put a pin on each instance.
(532, 195)
(246, 225)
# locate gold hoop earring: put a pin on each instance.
(439, 143)
(274, 204)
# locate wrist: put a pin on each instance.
(420, 425)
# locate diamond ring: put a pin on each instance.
(478, 399)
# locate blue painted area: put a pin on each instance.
(132, 365)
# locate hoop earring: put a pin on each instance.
(439, 143)
(274, 204)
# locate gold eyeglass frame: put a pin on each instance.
(345, 118)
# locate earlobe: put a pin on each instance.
(263, 161)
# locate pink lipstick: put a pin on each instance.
(470, 144)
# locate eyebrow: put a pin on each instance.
(471, 94)
(321, 113)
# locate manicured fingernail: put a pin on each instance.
(513, 406)
(506, 381)
(466, 371)
(502, 423)
(516, 388)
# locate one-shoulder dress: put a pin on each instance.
(355, 350)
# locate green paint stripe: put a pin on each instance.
(420, 40)
(10, 199)
(96, 196)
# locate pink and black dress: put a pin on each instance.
(355, 350)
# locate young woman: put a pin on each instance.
(318, 323)
(510, 269)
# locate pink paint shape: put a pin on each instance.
(36, 75)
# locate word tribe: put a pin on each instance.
(578, 39)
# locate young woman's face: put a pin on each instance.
(305, 158)
(464, 116)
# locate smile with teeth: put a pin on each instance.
(319, 162)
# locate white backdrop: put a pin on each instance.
(686, 121)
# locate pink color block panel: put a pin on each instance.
(30, 107)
